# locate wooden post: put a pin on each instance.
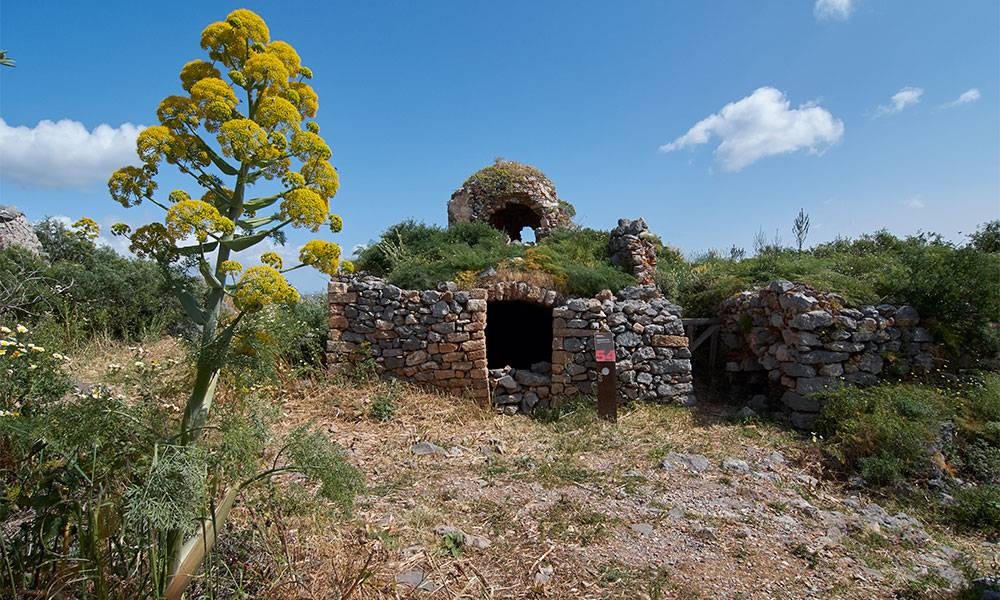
(607, 377)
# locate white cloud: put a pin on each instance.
(762, 124)
(914, 202)
(967, 97)
(833, 10)
(63, 154)
(905, 97)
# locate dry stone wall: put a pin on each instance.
(437, 338)
(433, 337)
(653, 360)
(806, 341)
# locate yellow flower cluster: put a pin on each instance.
(274, 113)
(321, 176)
(347, 266)
(179, 196)
(321, 254)
(263, 285)
(272, 259)
(244, 140)
(12, 346)
(129, 186)
(307, 145)
(151, 241)
(153, 143)
(231, 266)
(303, 97)
(197, 217)
(87, 228)
(336, 223)
(287, 55)
(305, 208)
(176, 112)
(215, 100)
(264, 69)
(195, 71)
(228, 41)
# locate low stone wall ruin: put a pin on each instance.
(438, 338)
(807, 341)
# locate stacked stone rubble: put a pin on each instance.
(521, 390)
(807, 341)
(631, 248)
(437, 338)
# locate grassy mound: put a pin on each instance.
(417, 256)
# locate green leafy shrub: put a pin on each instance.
(96, 483)
(84, 290)
(954, 288)
(883, 431)
(385, 401)
(978, 507)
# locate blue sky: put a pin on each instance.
(859, 121)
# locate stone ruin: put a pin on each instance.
(804, 341)
(510, 196)
(16, 231)
(512, 343)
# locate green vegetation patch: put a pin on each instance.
(418, 256)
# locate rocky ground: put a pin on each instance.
(670, 502)
(667, 503)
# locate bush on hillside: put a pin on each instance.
(84, 290)
(282, 336)
(889, 432)
(954, 288)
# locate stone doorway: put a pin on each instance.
(519, 354)
(518, 334)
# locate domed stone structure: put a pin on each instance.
(510, 196)
(15, 230)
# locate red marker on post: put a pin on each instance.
(607, 380)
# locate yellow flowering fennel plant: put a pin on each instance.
(241, 120)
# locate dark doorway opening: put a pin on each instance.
(518, 334)
(512, 218)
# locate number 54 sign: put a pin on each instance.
(604, 346)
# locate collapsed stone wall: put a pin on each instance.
(630, 248)
(807, 341)
(438, 338)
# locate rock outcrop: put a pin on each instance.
(15, 230)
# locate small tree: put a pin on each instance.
(229, 135)
(800, 228)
